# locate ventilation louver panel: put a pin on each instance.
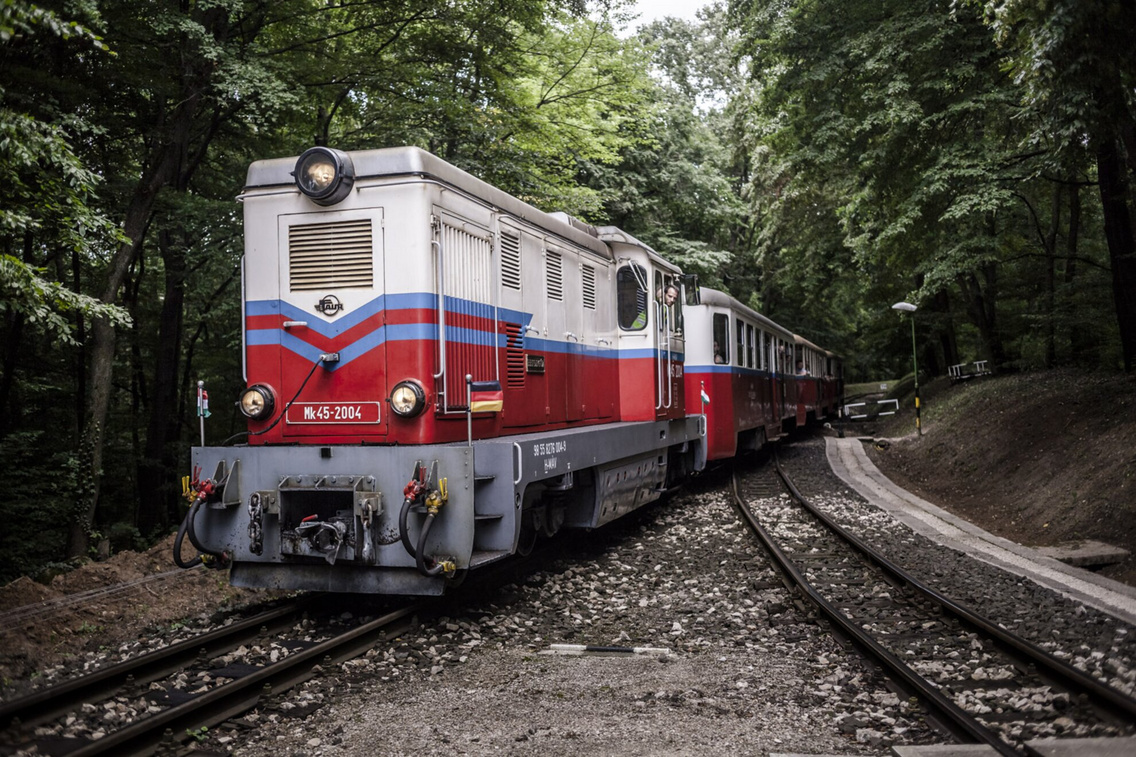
(554, 267)
(471, 338)
(510, 260)
(589, 276)
(330, 255)
(514, 356)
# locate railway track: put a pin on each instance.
(175, 692)
(979, 682)
(190, 686)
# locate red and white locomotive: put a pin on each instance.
(438, 373)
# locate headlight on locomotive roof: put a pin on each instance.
(257, 402)
(325, 175)
(407, 399)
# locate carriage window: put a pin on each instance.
(631, 294)
(721, 339)
(760, 350)
(741, 329)
(749, 347)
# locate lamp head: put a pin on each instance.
(904, 306)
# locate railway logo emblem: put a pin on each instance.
(329, 305)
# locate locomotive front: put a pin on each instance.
(340, 305)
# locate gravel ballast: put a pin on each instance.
(745, 671)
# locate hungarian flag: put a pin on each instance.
(485, 397)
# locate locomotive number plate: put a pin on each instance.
(333, 412)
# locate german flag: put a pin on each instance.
(485, 397)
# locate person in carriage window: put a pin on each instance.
(668, 297)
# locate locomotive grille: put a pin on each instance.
(330, 255)
(589, 287)
(514, 356)
(554, 267)
(510, 260)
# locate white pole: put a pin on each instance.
(201, 410)
(469, 409)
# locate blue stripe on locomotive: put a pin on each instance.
(413, 331)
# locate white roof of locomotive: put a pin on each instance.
(414, 161)
(718, 299)
(616, 235)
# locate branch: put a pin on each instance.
(573, 67)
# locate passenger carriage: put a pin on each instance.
(738, 372)
(820, 383)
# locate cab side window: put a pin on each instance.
(631, 297)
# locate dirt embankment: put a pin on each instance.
(103, 604)
(1039, 458)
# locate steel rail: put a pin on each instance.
(1102, 695)
(223, 702)
(961, 724)
(49, 703)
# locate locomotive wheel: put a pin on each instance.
(552, 520)
(527, 539)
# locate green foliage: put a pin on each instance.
(893, 160)
(676, 188)
(817, 159)
(44, 304)
(17, 18)
(38, 484)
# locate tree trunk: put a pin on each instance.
(156, 467)
(980, 302)
(948, 341)
(162, 169)
(14, 339)
(1051, 279)
(1118, 229)
(81, 356)
(1082, 343)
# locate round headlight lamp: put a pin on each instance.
(407, 399)
(257, 402)
(324, 175)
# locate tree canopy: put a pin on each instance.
(818, 160)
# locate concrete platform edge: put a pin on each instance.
(851, 465)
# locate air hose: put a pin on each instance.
(181, 532)
(420, 558)
(209, 558)
(402, 532)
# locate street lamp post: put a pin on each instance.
(907, 307)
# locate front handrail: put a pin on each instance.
(439, 280)
(659, 368)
